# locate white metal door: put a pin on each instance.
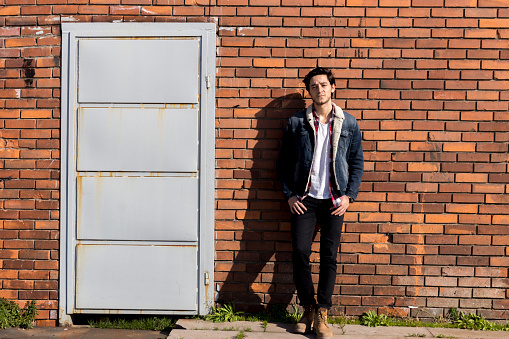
(137, 168)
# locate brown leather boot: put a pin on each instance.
(321, 326)
(305, 323)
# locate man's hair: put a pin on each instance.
(319, 71)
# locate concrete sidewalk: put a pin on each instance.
(79, 332)
(200, 329)
(193, 329)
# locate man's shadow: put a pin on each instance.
(261, 276)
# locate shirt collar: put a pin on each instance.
(332, 116)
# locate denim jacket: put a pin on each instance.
(297, 151)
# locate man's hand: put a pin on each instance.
(296, 207)
(343, 206)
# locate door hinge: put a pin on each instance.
(207, 280)
(207, 81)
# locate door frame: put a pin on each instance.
(71, 33)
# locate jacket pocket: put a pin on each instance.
(344, 139)
(304, 142)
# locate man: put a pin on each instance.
(320, 168)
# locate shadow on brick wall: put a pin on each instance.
(261, 271)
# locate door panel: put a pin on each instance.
(127, 277)
(139, 70)
(138, 208)
(138, 139)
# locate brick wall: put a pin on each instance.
(427, 81)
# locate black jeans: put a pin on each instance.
(303, 226)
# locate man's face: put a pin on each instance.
(320, 89)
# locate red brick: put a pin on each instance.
(455, 292)
(10, 10)
(501, 219)
(121, 10)
(19, 42)
(488, 293)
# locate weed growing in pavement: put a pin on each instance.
(340, 321)
(372, 319)
(277, 313)
(225, 313)
(11, 315)
(232, 328)
(455, 319)
(417, 335)
(152, 323)
(475, 322)
(294, 316)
